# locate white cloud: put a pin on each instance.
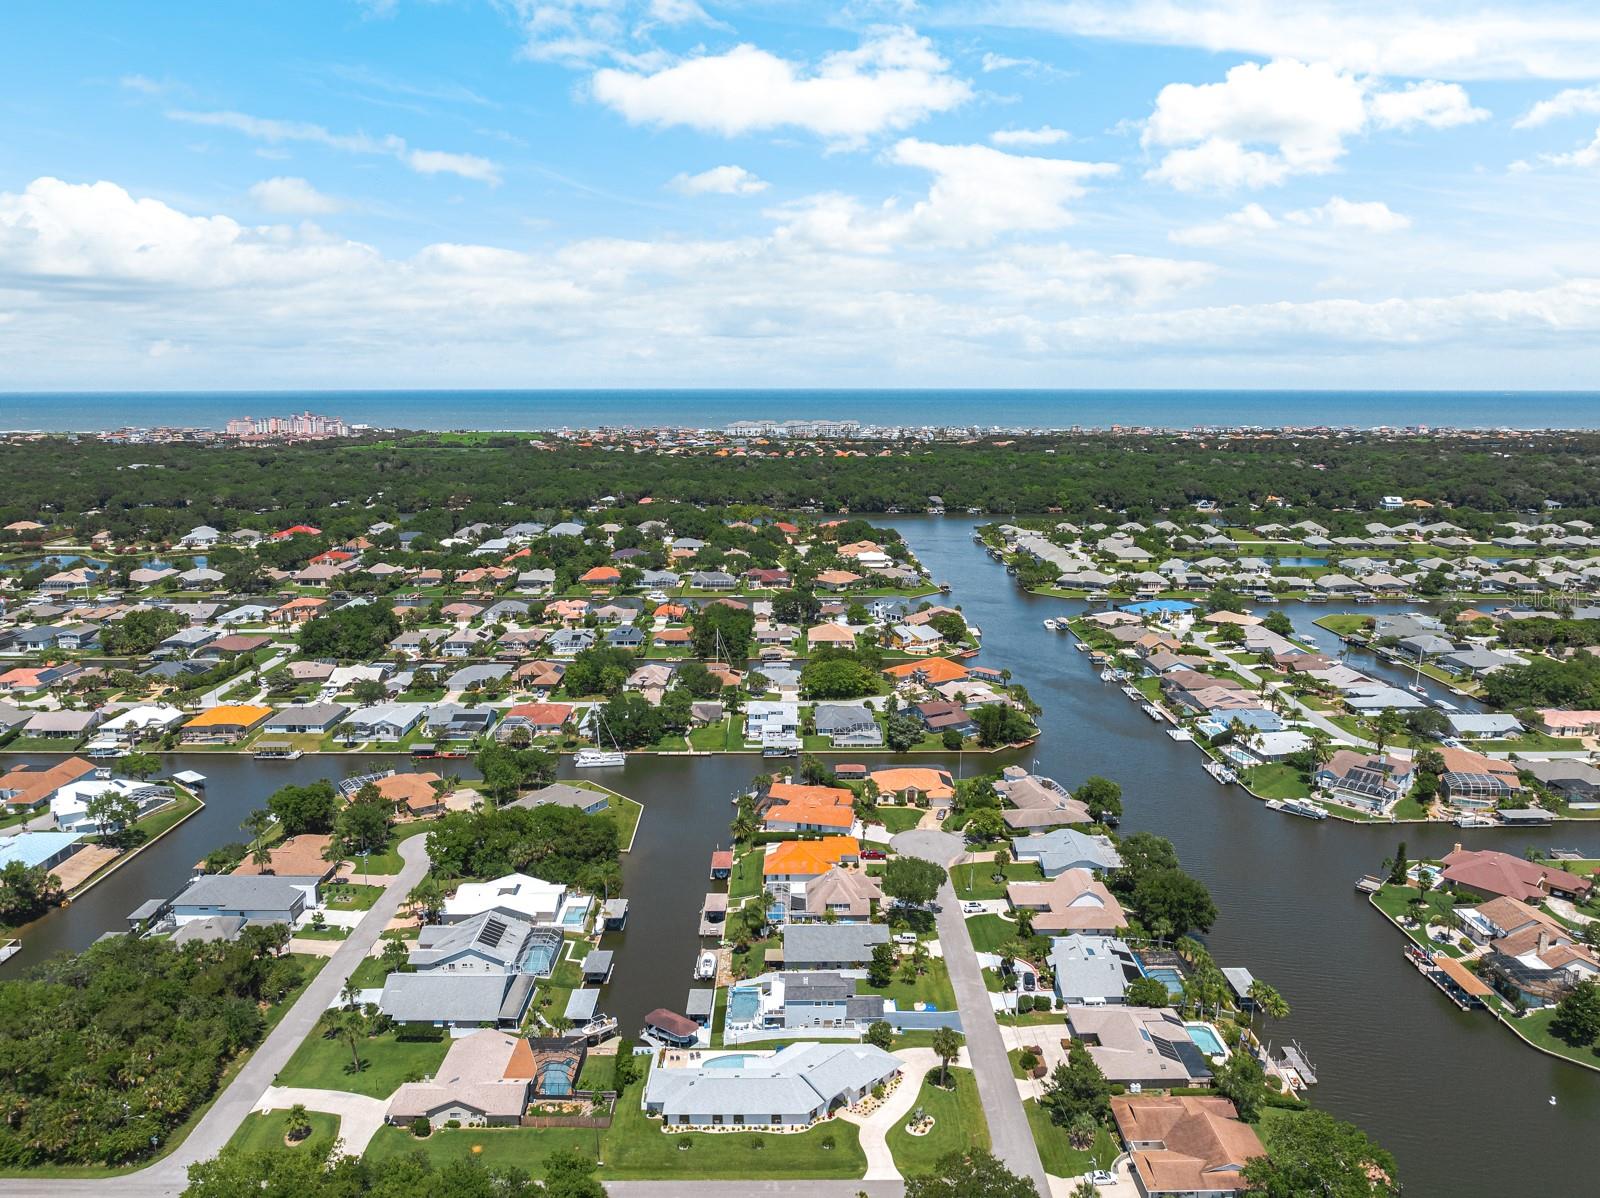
(719, 180)
(1584, 156)
(292, 196)
(1303, 110)
(1236, 226)
(1044, 135)
(1369, 216)
(276, 132)
(677, 12)
(1436, 105)
(1251, 221)
(1571, 101)
(894, 79)
(1557, 39)
(145, 84)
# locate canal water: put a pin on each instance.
(1462, 1104)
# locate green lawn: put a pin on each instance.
(260, 1132)
(1276, 781)
(959, 1124)
(522, 1148)
(933, 986)
(388, 861)
(636, 1147)
(989, 932)
(350, 896)
(1059, 1157)
(715, 738)
(1535, 1027)
(370, 974)
(899, 819)
(1393, 901)
(745, 880)
(324, 1064)
(1342, 623)
(975, 879)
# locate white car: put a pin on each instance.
(972, 908)
(1103, 1177)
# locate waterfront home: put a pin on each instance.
(928, 671)
(844, 895)
(943, 715)
(921, 785)
(308, 855)
(386, 722)
(415, 796)
(297, 611)
(1185, 1146)
(24, 788)
(225, 724)
(1487, 726)
(1091, 970)
(62, 725)
(1573, 781)
(259, 899)
(848, 725)
(562, 794)
(802, 860)
(1363, 780)
(457, 999)
(43, 850)
(517, 895)
(1074, 901)
(28, 680)
(318, 718)
(1147, 1045)
(1063, 849)
(1037, 802)
(1569, 723)
(803, 1001)
(792, 1088)
(489, 942)
(831, 945)
(232, 645)
(1538, 964)
(452, 721)
(487, 1078)
(1492, 873)
(70, 803)
(787, 807)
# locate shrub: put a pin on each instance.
(757, 1143)
(685, 1143)
(1024, 1004)
(1027, 1060)
(452, 1124)
(421, 1128)
(827, 1143)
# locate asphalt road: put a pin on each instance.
(170, 1174)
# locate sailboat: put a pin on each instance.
(1416, 686)
(597, 758)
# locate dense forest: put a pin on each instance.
(168, 489)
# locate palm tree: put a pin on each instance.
(257, 823)
(426, 899)
(1025, 921)
(947, 1047)
(745, 824)
(299, 1122)
(351, 1027)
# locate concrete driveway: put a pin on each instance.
(875, 1128)
(360, 1117)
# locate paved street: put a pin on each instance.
(245, 1092)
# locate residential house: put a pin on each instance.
(809, 1002)
(516, 895)
(227, 723)
(921, 785)
(848, 725)
(1185, 1146)
(1149, 1046)
(562, 794)
(1073, 901)
(384, 722)
(536, 719)
(1493, 873)
(1063, 849)
(1091, 970)
(452, 721)
(318, 718)
(843, 895)
(259, 899)
(487, 1079)
(1363, 780)
(802, 860)
(794, 1087)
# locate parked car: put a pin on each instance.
(873, 854)
(972, 908)
(1103, 1177)
(1029, 982)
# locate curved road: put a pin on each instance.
(243, 1095)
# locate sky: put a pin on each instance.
(895, 193)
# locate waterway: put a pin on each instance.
(1462, 1104)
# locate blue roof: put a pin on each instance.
(1152, 606)
(35, 848)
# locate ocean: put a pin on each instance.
(529, 410)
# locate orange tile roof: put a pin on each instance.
(792, 792)
(823, 815)
(815, 857)
(934, 669)
(228, 714)
(931, 782)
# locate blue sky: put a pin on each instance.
(679, 192)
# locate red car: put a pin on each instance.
(873, 854)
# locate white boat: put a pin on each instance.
(596, 758)
(1052, 625)
(1303, 807)
(104, 749)
(1474, 821)
(1133, 693)
(1219, 772)
(705, 967)
(1108, 675)
(1081, 646)
(1180, 734)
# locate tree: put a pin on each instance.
(1399, 867)
(140, 765)
(1314, 1153)
(569, 1174)
(1001, 724)
(971, 1174)
(298, 1122)
(1171, 903)
(720, 632)
(350, 1025)
(950, 739)
(427, 899)
(1242, 1081)
(912, 881)
(880, 970)
(745, 821)
(1385, 726)
(1268, 1001)
(309, 808)
(394, 956)
(950, 625)
(1577, 1017)
(1278, 622)
(507, 772)
(1147, 992)
(837, 676)
(903, 732)
(363, 826)
(947, 1047)
(880, 1034)
(112, 811)
(1102, 797)
(361, 632)
(140, 631)
(1077, 1086)
(368, 691)
(26, 891)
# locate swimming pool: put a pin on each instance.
(573, 915)
(1167, 975)
(1205, 1039)
(744, 1003)
(734, 1060)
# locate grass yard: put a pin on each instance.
(1277, 781)
(975, 879)
(715, 738)
(636, 1147)
(1342, 623)
(899, 819)
(324, 1064)
(370, 974)
(989, 932)
(959, 1124)
(1535, 1028)
(350, 896)
(931, 987)
(1056, 1153)
(388, 861)
(260, 1132)
(505, 1147)
(745, 880)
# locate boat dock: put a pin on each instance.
(713, 916)
(1369, 884)
(1454, 980)
(1294, 1057)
